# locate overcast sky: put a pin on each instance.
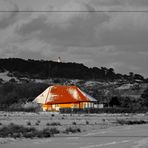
(117, 40)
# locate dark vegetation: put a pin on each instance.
(18, 131)
(145, 97)
(131, 122)
(13, 95)
(72, 130)
(102, 110)
(53, 124)
(49, 69)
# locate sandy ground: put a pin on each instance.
(90, 124)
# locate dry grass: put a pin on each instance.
(67, 123)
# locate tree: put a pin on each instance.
(145, 97)
(138, 76)
(126, 102)
(12, 80)
(131, 76)
(114, 101)
(111, 73)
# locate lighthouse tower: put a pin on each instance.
(59, 60)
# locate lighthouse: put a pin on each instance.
(59, 60)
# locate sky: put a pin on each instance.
(116, 40)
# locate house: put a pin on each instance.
(59, 96)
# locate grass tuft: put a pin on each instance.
(53, 124)
(74, 123)
(28, 123)
(87, 122)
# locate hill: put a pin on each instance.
(35, 69)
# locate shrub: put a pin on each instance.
(74, 123)
(54, 131)
(47, 124)
(27, 107)
(53, 124)
(46, 133)
(72, 130)
(130, 122)
(87, 122)
(17, 131)
(38, 122)
(30, 107)
(29, 123)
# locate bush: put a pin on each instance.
(74, 123)
(72, 130)
(54, 131)
(46, 133)
(53, 124)
(28, 107)
(28, 123)
(38, 122)
(17, 131)
(87, 122)
(47, 124)
(130, 122)
(13, 130)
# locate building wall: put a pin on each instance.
(56, 107)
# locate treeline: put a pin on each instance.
(48, 69)
(11, 93)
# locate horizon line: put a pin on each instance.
(69, 11)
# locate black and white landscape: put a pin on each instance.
(100, 46)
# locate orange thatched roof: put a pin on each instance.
(63, 94)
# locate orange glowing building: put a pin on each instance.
(58, 96)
